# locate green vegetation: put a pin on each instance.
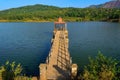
(101, 68)
(50, 13)
(11, 71)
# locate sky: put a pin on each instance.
(7, 4)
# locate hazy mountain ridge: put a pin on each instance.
(110, 4)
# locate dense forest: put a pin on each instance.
(51, 13)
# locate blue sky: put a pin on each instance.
(6, 4)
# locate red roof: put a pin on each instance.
(60, 21)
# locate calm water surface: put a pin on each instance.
(29, 43)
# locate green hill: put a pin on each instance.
(33, 12)
(51, 13)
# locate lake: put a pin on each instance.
(29, 43)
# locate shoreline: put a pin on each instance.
(21, 21)
(8, 21)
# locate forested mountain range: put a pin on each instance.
(41, 12)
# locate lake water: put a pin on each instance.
(29, 43)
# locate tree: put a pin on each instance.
(101, 68)
(10, 70)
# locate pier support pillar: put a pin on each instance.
(43, 68)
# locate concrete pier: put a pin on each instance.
(58, 64)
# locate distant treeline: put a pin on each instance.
(51, 13)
